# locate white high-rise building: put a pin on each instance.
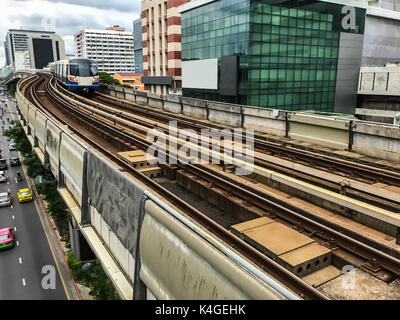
(112, 48)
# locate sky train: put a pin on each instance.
(77, 74)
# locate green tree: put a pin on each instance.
(12, 87)
(106, 78)
(17, 133)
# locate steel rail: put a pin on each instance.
(333, 163)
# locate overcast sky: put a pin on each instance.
(65, 17)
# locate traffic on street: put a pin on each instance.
(27, 262)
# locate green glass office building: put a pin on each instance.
(290, 54)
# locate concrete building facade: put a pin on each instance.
(161, 35)
(112, 49)
(130, 79)
(33, 49)
(292, 55)
(382, 33)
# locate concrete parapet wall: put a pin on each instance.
(332, 133)
(53, 135)
(192, 269)
(130, 94)
(117, 249)
(31, 118)
(377, 141)
(141, 98)
(172, 104)
(195, 108)
(155, 100)
(71, 165)
(119, 93)
(379, 81)
(227, 114)
(40, 130)
(113, 91)
(265, 120)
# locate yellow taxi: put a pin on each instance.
(24, 195)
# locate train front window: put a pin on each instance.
(83, 69)
(74, 70)
(94, 70)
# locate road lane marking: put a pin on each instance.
(47, 237)
(20, 260)
(15, 228)
(23, 282)
(17, 243)
(13, 217)
(51, 248)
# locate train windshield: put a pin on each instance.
(83, 69)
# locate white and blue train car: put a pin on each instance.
(77, 74)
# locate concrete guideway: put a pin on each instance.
(119, 252)
(363, 137)
(341, 200)
(33, 129)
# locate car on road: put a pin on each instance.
(15, 162)
(3, 164)
(3, 176)
(6, 238)
(12, 147)
(5, 199)
(24, 195)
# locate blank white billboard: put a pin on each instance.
(200, 74)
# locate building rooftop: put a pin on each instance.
(192, 4)
(129, 74)
(30, 30)
(116, 28)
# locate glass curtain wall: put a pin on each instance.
(288, 49)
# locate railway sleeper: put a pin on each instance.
(142, 162)
(295, 251)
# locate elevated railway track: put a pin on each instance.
(108, 136)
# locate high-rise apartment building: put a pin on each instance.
(112, 48)
(138, 45)
(293, 55)
(33, 49)
(161, 37)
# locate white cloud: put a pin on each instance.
(65, 17)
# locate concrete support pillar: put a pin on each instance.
(79, 246)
